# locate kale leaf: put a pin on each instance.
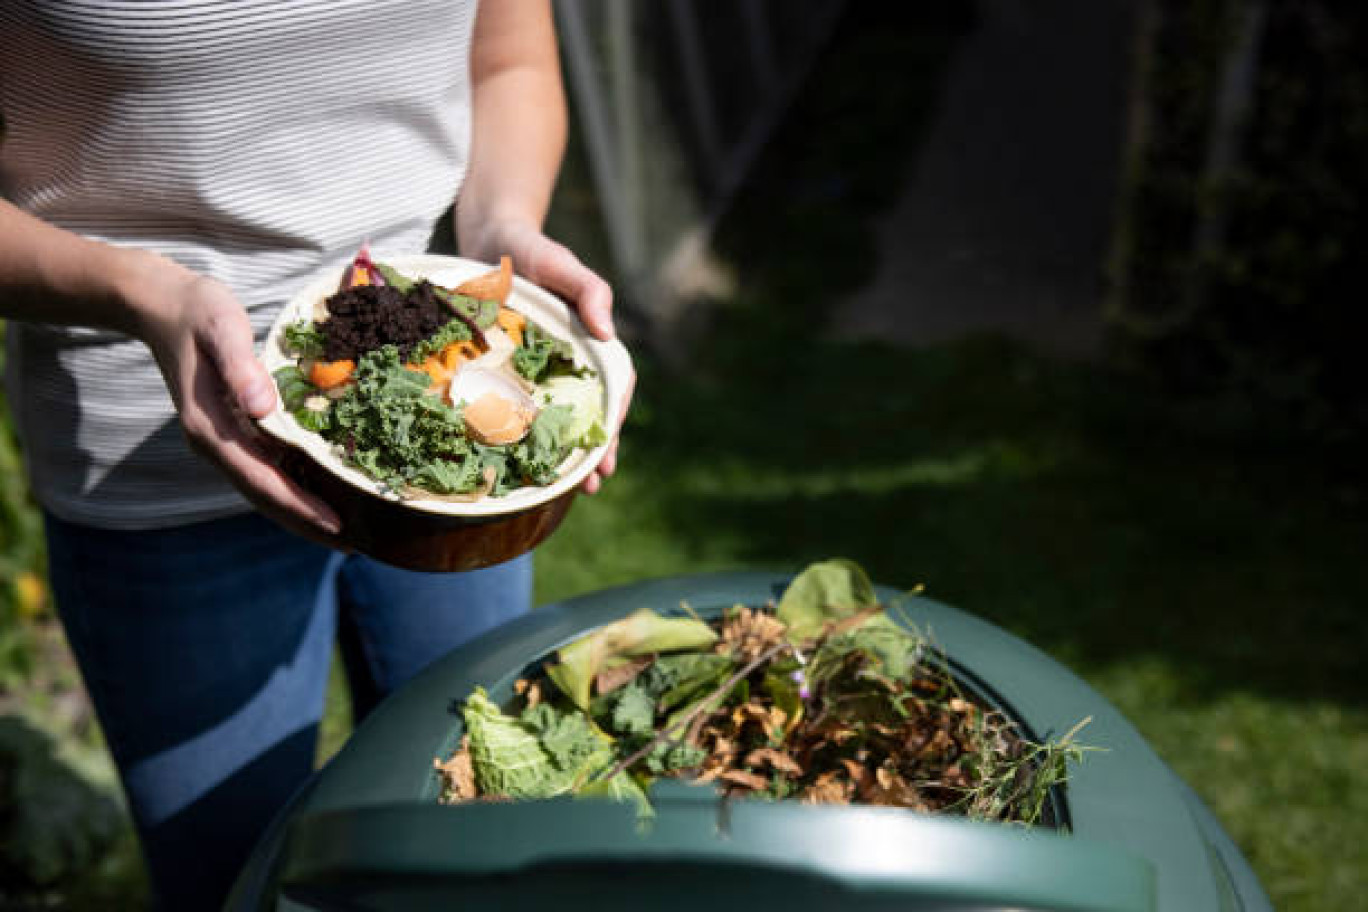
(398, 433)
(304, 339)
(536, 458)
(634, 711)
(454, 331)
(542, 355)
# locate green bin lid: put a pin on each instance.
(369, 825)
(697, 854)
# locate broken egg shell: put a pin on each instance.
(496, 409)
(499, 353)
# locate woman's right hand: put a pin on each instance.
(196, 329)
(202, 340)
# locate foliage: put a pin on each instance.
(1262, 317)
(55, 823)
(539, 756)
(824, 699)
(641, 633)
(396, 431)
(542, 356)
(825, 592)
(453, 332)
(23, 594)
(304, 339)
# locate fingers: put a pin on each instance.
(607, 466)
(609, 463)
(595, 303)
(218, 434)
(555, 268)
(225, 335)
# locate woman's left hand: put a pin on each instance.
(551, 265)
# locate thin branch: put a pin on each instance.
(829, 630)
(722, 690)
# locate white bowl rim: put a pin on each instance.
(609, 359)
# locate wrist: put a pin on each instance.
(486, 234)
(146, 288)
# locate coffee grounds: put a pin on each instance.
(364, 318)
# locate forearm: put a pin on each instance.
(519, 122)
(49, 275)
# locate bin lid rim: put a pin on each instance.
(857, 847)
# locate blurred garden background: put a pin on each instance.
(1046, 306)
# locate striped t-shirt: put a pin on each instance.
(255, 141)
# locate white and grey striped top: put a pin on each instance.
(256, 141)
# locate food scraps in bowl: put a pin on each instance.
(439, 393)
(823, 699)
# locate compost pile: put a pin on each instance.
(823, 698)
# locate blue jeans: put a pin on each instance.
(206, 649)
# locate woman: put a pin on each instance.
(171, 172)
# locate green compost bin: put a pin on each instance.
(367, 831)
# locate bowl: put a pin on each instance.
(433, 534)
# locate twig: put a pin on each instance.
(829, 630)
(836, 628)
(725, 688)
(696, 727)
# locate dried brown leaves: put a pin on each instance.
(864, 738)
(748, 632)
(610, 679)
(458, 775)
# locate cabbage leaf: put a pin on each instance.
(511, 759)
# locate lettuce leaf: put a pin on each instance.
(318, 420)
(483, 314)
(445, 476)
(641, 633)
(569, 738)
(394, 277)
(623, 787)
(831, 591)
(294, 386)
(584, 397)
(826, 591)
(634, 712)
(690, 675)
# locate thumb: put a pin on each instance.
(559, 270)
(227, 339)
